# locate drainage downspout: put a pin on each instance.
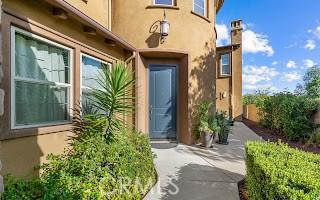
(131, 57)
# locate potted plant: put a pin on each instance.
(206, 134)
(204, 125)
(224, 128)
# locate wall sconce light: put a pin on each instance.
(164, 26)
(223, 95)
(59, 13)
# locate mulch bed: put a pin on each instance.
(272, 136)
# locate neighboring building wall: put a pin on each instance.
(1, 97)
(137, 21)
(2, 93)
(99, 10)
(229, 88)
(22, 150)
(251, 112)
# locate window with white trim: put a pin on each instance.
(200, 7)
(41, 70)
(225, 65)
(91, 69)
(164, 2)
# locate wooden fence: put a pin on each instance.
(251, 112)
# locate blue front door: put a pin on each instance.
(162, 102)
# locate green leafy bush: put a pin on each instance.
(256, 98)
(106, 160)
(17, 188)
(276, 171)
(93, 169)
(288, 114)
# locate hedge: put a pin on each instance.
(92, 169)
(289, 115)
(276, 171)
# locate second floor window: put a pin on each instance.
(200, 7)
(164, 2)
(225, 65)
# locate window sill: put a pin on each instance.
(225, 75)
(27, 132)
(203, 17)
(162, 7)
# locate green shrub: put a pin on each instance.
(288, 114)
(276, 171)
(22, 189)
(255, 98)
(93, 169)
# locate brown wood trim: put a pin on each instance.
(152, 50)
(26, 24)
(164, 55)
(163, 7)
(219, 75)
(9, 20)
(86, 19)
(203, 17)
(219, 5)
(19, 133)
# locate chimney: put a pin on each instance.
(236, 32)
(236, 41)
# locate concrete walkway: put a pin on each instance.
(193, 173)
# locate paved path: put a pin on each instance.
(193, 173)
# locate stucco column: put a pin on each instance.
(236, 38)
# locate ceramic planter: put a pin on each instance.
(207, 139)
(223, 138)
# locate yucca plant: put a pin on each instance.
(114, 98)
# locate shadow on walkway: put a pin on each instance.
(201, 182)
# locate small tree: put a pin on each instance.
(312, 82)
(115, 99)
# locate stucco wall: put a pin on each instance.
(40, 12)
(22, 150)
(2, 93)
(99, 10)
(236, 38)
(135, 22)
(223, 86)
(23, 156)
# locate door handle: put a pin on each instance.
(150, 111)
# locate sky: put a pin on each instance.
(281, 40)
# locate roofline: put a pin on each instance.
(229, 47)
(69, 8)
(219, 5)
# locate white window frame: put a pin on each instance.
(94, 58)
(221, 65)
(13, 78)
(204, 7)
(172, 3)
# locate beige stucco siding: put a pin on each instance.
(99, 10)
(139, 24)
(23, 156)
(2, 92)
(22, 150)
